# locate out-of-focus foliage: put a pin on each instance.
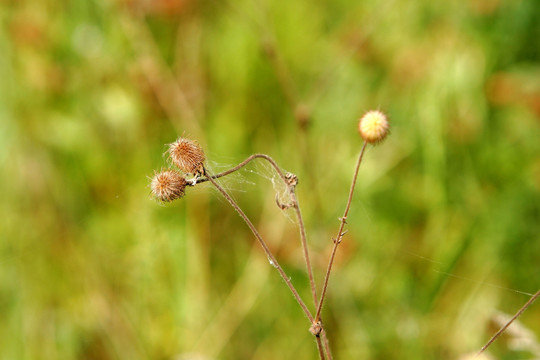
(444, 229)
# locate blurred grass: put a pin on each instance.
(444, 225)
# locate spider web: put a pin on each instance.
(254, 176)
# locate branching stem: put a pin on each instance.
(322, 341)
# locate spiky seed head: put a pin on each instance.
(187, 155)
(168, 185)
(373, 126)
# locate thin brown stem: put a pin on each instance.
(321, 340)
(326, 344)
(303, 239)
(320, 348)
(267, 251)
(501, 330)
(340, 233)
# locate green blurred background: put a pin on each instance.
(444, 230)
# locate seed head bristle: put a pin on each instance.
(168, 185)
(187, 155)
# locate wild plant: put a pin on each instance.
(189, 159)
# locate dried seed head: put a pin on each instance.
(373, 126)
(168, 185)
(187, 155)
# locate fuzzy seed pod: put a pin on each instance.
(168, 185)
(187, 155)
(373, 126)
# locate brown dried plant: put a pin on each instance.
(189, 158)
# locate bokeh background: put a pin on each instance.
(443, 237)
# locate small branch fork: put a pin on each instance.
(317, 328)
(291, 181)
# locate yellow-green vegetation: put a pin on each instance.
(444, 228)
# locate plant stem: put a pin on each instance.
(340, 233)
(501, 330)
(320, 348)
(267, 251)
(321, 340)
(303, 240)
